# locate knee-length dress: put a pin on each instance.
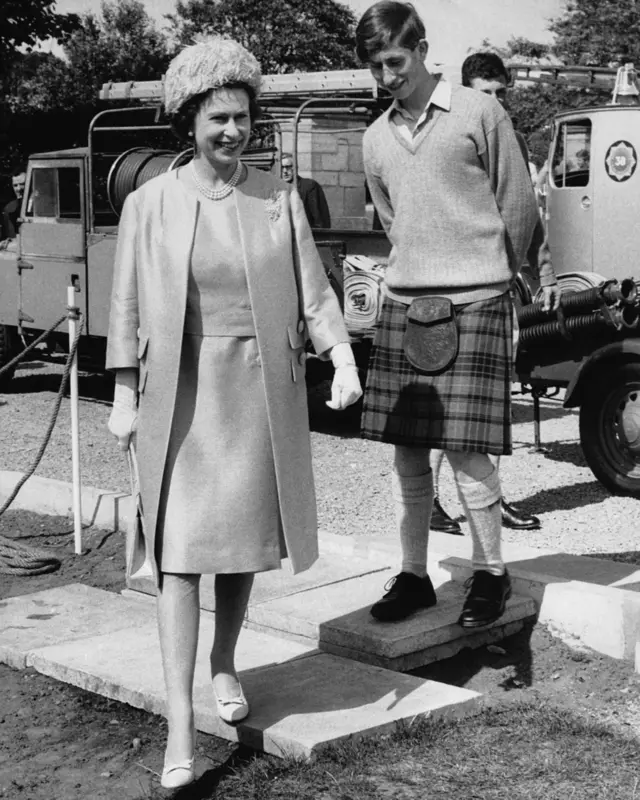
(219, 510)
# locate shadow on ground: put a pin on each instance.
(565, 498)
(38, 376)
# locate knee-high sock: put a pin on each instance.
(481, 502)
(413, 501)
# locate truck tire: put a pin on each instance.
(610, 428)
(8, 350)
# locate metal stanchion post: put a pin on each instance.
(75, 435)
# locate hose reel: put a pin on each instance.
(611, 304)
(135, 167)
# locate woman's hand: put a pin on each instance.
(124, 415)
(345, 389)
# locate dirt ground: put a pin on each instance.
(58, 742)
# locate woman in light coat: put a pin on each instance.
(217, 286)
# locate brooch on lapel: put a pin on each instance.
(273, 205)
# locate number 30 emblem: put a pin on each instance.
(621, 161)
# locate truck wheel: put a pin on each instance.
(610, 429)
(8, 350)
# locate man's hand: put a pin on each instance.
(551, 297)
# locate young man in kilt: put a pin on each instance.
(454, 195)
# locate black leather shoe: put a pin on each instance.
(486, 599)
(517, 520)
(406, 594)
(441, 521)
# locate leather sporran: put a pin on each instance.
(431, 337)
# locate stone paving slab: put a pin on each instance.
(338, 618)
(279, 583)
(429, 635)
(301, 700)
(603, 616)
(63, 614)
(125, 665)
(302, 615)
(297, 707)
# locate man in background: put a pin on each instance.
(486, 72)
(11, 211)
(313, 197)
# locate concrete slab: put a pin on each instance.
(427, 636)
(337, 617)
(64, 614)
(104, 509)
(602, 616)
(279, 583)
(301, 700)
(125, 665)
(302, 615)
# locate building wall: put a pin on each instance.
(330, 152)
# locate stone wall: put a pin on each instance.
(330, 152)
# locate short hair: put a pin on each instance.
(182, 121)
(19, 169)
(488, 66)
(386, 22)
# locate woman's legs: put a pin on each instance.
(178, 607)
(232, 597)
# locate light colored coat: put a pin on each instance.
(290, 299)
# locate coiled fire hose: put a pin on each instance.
(16, 558)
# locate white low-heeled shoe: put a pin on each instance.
(232, 709)
(176, 775)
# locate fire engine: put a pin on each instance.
(590, 348)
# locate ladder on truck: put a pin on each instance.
(294, 85)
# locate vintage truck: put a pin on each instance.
(591, 349)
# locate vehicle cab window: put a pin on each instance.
(572, 154)
(54, 194)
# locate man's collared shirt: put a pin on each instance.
(406, 125)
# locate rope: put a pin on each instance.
(30, 347)
(16, 558)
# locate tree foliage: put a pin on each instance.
(49, 101)
(299, 35)
(23, 22)
(598, 32)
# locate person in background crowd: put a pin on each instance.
(11, 211)
(486, 72)
(455, 198)
(217, 283)
(312, 194)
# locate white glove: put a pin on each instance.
(345, 388)
(124, 415)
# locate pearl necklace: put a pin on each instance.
(218, 194)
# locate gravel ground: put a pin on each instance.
(352, 475)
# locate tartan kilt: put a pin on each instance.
(467, 407)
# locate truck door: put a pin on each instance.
(616, 235)
(570, 196)
(52, 241)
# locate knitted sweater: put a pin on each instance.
(457, 202)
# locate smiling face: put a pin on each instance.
(494, 87)
(398, 69)
(222, 126)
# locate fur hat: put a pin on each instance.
(208, 64)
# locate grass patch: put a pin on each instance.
(527, 751)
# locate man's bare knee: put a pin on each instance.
(411, 461)
(468, 467)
